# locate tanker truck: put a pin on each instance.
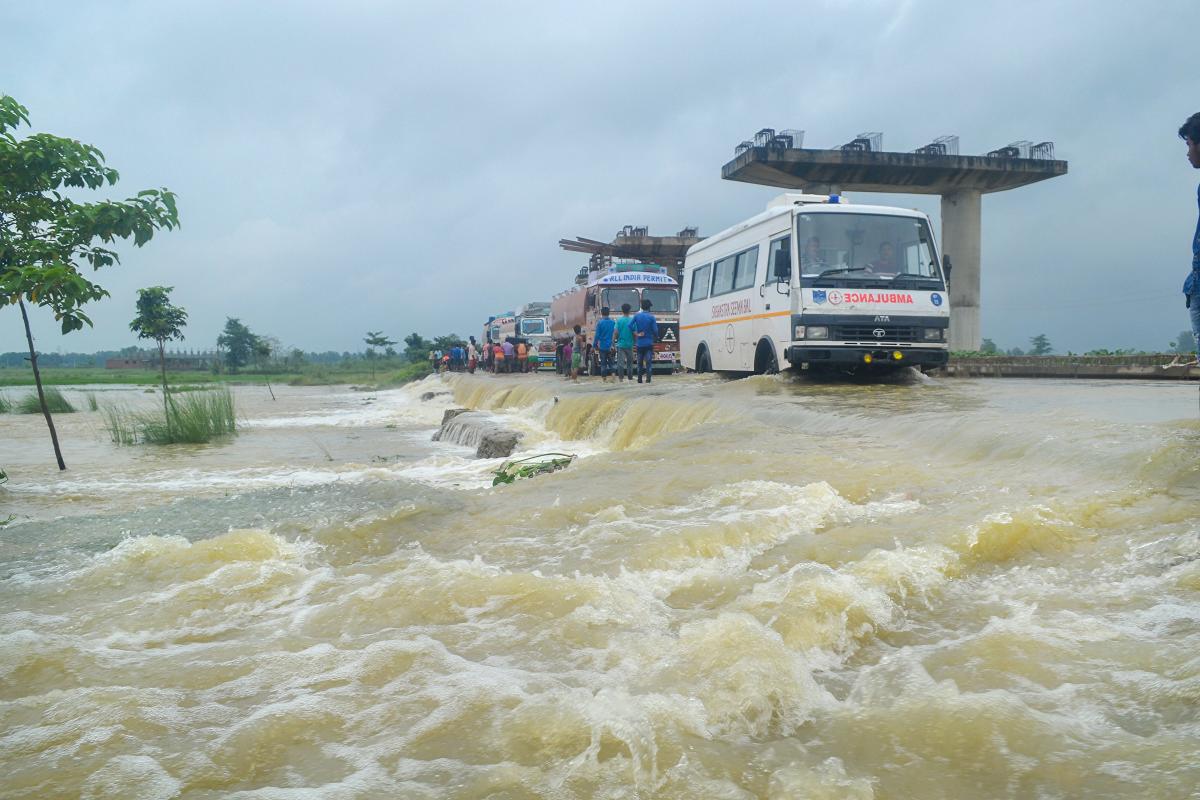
(622, 283)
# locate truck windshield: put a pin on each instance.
(531, 327)
(663, 301)
(613, 298)
(866, 247)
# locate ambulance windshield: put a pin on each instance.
(866, 247)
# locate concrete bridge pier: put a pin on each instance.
(962, 216)
(961, 181)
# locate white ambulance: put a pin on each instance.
(816, 282)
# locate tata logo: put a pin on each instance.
(819, 296)
(879, 333)
(883, 318)
(935, 298)
(669, 336)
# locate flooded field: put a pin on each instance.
(764, 588)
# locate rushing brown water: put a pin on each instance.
(754, 589)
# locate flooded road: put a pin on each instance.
(764, 588)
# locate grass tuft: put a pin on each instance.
(5, 404)
(93, 405)
(29, 404)
(196, 418)
(121, 424)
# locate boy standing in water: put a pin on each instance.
(646, 327)
(1190, 133)
(603, 343)
(625, 343)
(578, 344)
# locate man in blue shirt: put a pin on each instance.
(1190, 133)
(646, 327)
(603, 342)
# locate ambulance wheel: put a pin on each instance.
(765, 362)
(703, 362)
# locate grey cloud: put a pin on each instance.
(411, 167)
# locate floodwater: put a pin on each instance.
(764, 588)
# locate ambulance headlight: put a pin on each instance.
(818, 332)
(933, 334)
(798, 332)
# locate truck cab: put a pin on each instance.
(533, 325)
(623, 283)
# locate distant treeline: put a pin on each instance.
(98, 359)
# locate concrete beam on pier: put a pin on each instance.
(960, 180)
(910, 173)
(636, 244)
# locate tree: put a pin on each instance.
(416, 347)
(157, 319)
(44, 236)
(988, 347)
(263, 347)
(238, 343)
(1185, 343)
(1041, 345)
(376, 339)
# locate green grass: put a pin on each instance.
(121, 424)
(29, 404)
(311, 375)
(93, 405)
(197, 418)
(5, 404)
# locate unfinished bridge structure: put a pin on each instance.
(780, 159)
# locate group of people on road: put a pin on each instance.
(615, 343)
(513, 355)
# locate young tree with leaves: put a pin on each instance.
(157, 319)
(376, 339)
(1040, 345)
(239, 344)
(44, 236)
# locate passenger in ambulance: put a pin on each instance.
(811, 259)
(886, 263)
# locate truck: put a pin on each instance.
(532, 323)
(612, 287)
(499, 326)
(815, 282)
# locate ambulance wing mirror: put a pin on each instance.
(782, 267)
(946, 267)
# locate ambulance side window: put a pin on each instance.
(700, 282)
(780, 262)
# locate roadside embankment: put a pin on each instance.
(1140, 367)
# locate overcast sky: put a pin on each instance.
(411, 166)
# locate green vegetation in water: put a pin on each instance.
(197, 418)
(5, 404)
(121, 424)
(528, 467)
(93, 404)
(392, 374)
(29, 404)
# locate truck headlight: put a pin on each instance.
(818, 332)
(933, 334)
